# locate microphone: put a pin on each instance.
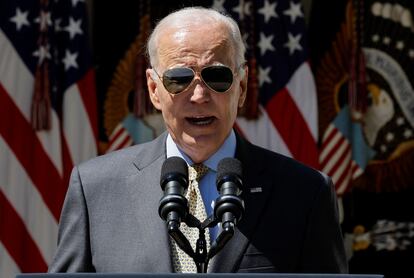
(229, 207)
(173, 205)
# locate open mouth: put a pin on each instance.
(200, 121)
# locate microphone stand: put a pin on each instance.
(200, 256)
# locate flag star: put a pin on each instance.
(268, 10)
(218, 5)
(58, 21)
(242, 9)
(74, 27)
(293, 43)
(74, 2)
(386, 40)
(264, 75)
(375, 38)
(400, 121)
(389, 137)
(411, 53)
(408, 133)
(42, 53)
(265, 43)
(44, 20)
(20, 19)
(294, 11)
(383, 148)
(70, 60)
(399, 45)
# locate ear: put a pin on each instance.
(152, 85)
(244, 74)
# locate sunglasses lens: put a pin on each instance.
(218, 78)
(177, 80)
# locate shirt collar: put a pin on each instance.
(228, 149)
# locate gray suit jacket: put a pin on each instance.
(110, 221)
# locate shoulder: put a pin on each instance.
(280, 168)
(123, 162)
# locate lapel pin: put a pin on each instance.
(255, 190)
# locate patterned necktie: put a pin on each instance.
(181, 261)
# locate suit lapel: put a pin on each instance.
(255, 192)
(149, 192)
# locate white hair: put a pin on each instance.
(191, 14)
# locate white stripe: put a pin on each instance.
(325, 151)
(302, 89)
(117, 144)
(342, 168)
(345, 182)
(128, 143)
(115, 131)
(8, 267)
(77, 126)
(334, 159)
(27, 201)
(328, 131)
(19, 84)
(263, 133)
(357, 172)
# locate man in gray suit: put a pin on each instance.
(198, 80)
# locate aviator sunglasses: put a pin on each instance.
(218, 78)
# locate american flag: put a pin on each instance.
(48, 123)
(275, 36)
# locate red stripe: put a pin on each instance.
(67, 163)
(293, 128)
(354, 168)
(340, 161)
(332, 151)
(87, 91)
(328, 139)
(116, 136)
(124, 142)
(344, 175)
(17, 240)
(23, 141)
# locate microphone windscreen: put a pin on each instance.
(228, 167)
(174, 168)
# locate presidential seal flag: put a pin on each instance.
(363, 60)
(47, 123)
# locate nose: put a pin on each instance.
(200, 92)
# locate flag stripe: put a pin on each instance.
(28, 149)
(262, 132)
(345, 178)
(301, 88)
(119, 139)
(17, 240)
(20, 91)
(293, 128)
(339, 158)
(334, 137)
(87, 92)
(343, 168)
(31, 209)
(76, 126)
(119, 129)
(331, 156)
(7, 264)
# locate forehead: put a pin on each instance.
(195, 44)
